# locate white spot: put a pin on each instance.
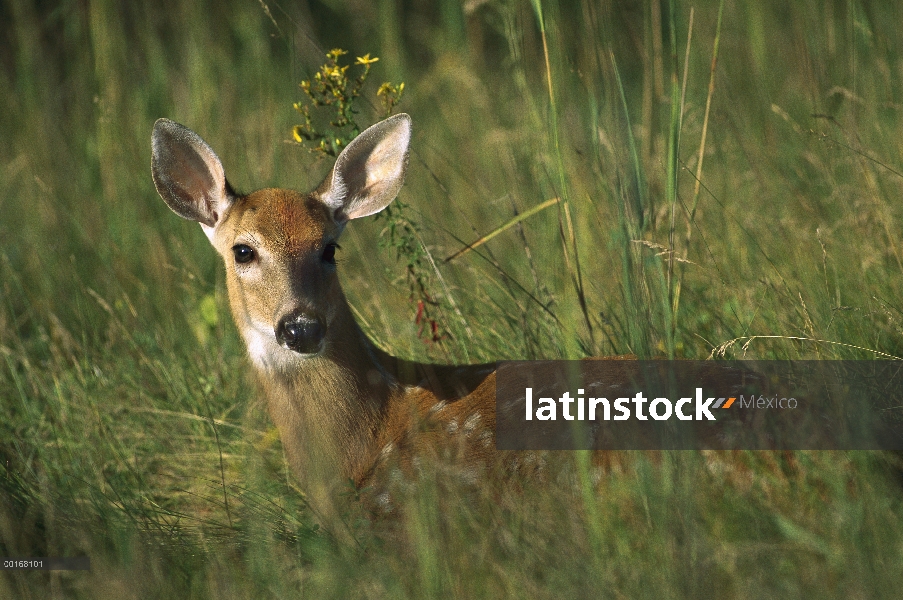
(471, 423)
(384, 501)
(387, 450)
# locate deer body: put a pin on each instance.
(340, 403)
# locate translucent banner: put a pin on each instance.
(697, 405)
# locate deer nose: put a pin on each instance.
(301, 333)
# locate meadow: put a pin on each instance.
(644, 198)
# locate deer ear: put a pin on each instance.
(188, 174)
(370, 171)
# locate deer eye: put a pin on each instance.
(329, 253)
(243, 254)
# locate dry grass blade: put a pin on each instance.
(517, 219)
(720, 350)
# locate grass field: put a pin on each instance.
(750, 209)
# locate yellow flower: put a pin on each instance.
(366, 60)
(387, 89)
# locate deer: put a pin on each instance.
(341, 404)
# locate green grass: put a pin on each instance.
(131, 430)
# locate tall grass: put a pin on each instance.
(131, 432)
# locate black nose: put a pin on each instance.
(301, 333)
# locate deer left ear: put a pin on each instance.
(188, 174)
(369, 172)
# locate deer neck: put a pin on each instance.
(334, 404)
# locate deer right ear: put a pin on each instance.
(370, 171)
(188, 174)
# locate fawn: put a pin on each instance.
(341, 404)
